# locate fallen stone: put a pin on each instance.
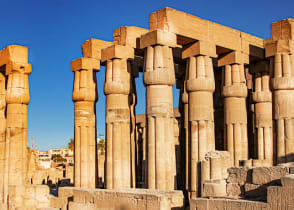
(288, 180)
(268, 175)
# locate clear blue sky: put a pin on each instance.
(54, 30)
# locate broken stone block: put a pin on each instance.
(268, 175)
(239, 175)
(288, 180)
(233, 190)
(214, 188)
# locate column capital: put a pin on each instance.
(85, 63)
(234, 57)
(158, 37)
(273, 47)
(117, 51)
(19, 67)
(199, 48)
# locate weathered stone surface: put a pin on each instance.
(233, 190)
(288, 180)
(226, 204)
(268, 175)
(239, 175)
(128, 199)
(214, 189)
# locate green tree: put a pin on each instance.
(57, 158)
(71, 144)
(101, 145)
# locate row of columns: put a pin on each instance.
(198, 112)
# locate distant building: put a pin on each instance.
(44, 159)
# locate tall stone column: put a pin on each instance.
(159, 77)
(2, 131)
(118, 116)
(17, 99)
(85, 97)
(185, 129)
(235, 113)
(280, 50)
(262, 98)
(132, 105)
(200, 88)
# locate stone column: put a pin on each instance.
(235, 114)
(17, 99)
(85, 97)
(200, 88)
(262, 98)
(280, 50)
(185, 116)
(118, 138)
(132, 105)
(159, 77)
(2, 131)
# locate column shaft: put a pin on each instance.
(85, 97)
(235, 92)
(200, 88)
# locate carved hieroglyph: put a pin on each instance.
(85, 96)
(159, 77)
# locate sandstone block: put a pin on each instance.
(158, 37)
(117, 51)
(288, 180)
(85, 63)
(235, 57)
(280, 46)
(268, 175)
(14, 53)
(65, 192)
(199, 48)
(92, 48)
(283, 29)
(239, 175)
(233, 190)
(291, 170)
(214, 189)
(128, 36)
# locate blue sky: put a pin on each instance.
(55, 29)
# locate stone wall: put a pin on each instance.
(120, 199)
(278, 197)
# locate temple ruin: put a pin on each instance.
(228, 145)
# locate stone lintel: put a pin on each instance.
(259, 67)
(117, 51)
(128, 36)
(283, 29)
(158, 37)
(199, 48)
(20, 67)
(278, 46)
(92, 48)
(13, 53)
(85, 63)
(235, 57)
(194, 28)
